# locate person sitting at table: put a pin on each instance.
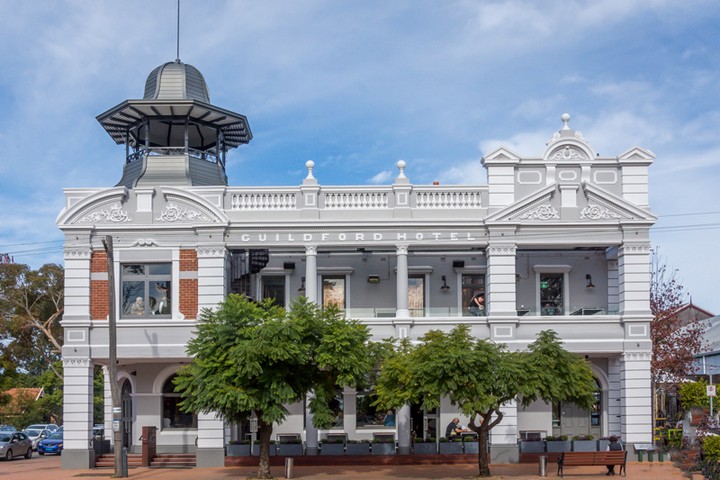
(477, 305)
(453, 428)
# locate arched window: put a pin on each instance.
(173, 416)
(596, 410)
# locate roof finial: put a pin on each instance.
(565, 117)
(177, 56)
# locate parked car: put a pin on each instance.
(43, 426)
(36, 435)
(52, 444)
(15, 444)
(7, 428)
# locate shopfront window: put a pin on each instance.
(173, 416)
(333, 291)
(146, 290)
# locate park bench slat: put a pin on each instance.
(617, 457)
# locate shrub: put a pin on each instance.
(556, 438)
(583, 437)
(711, 447)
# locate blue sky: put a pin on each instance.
(358, 85)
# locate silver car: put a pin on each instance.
(36, 435)
(15, 444)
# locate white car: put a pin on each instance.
(36, 435)
(51, 427)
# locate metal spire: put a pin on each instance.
(177, 56)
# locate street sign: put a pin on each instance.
(710, 390)
(253, 425)
(117, 410)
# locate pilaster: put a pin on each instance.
(210, 441)
(500, 282)
(211, 276)
(634, 278)
(635, 396)
(78, 452)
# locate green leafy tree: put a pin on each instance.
(694, 394)
(31, 302)
(252, 358)
(479, 377)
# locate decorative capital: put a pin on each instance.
(69, 362)
(401, 249)
(637, 357)
(211, 252)
(77, 253)
(310, 250)
(506, 250)
(635, 249)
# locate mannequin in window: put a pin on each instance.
(138, 307)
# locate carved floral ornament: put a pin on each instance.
(501, 250)
(174, 213)
(596, 212)
(114, 214)
(211, 252)
(76, 362)
(77, 253)
(568, 153)
(541, 212)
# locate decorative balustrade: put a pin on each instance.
(438, 197)
(356, 200)
(263, 201)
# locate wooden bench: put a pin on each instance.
(576, 459)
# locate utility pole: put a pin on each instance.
(114, 390)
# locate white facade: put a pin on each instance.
(559, 241)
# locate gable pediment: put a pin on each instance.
(593, 205)
(104, 207)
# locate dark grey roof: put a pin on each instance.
(176, 81)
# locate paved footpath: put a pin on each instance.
(49, 468)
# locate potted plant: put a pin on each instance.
(236, 448)
(383, 446)
(557, 443)
(425, 446)
(358, 447)
(584, 443)
(290, 447)
(451, 446)
(332, 446)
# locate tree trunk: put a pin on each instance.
(483, 442)
(265, 431)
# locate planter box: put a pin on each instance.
(450, 448)
(425, 448)
(603, 445)
(383, 448)
(290, 449)
(332, 449)
(238, 450)
(272, 451)
(584, 445)
(471, 447)
(556, 446)
(532, 446)
(358, 449)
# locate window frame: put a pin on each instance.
(553, 269)
(153, 294)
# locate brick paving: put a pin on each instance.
(49, 467)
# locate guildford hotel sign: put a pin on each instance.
(330, 237)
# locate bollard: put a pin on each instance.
(640, 455)
(289, 462)
(542, 466)
(661, 456)
(650, 455)
(124, 463)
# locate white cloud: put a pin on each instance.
(382, 177)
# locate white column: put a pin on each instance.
(311, 432)
(210, 441)
(503, 438)
(78, 413)
(613, 286)
(634, 279)
(403, 421)
(77, 283)
(211, 277)
(401, 307)
(311, 280)
(500, 290)
(636, 402)
(614, 412)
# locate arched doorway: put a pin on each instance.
(571, 420)
(126, 420)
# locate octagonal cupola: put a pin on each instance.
(174, 135)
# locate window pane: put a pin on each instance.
(274, 287)
(159, 269)
(133, 270)
(337, 405)
(133, 298)
(333, 292)
(160, 298)
(551, 288)
(367, 413)
(416, 296)
(473, 287)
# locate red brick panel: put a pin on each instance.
(99, 300)
(188, 261)
(189, 297)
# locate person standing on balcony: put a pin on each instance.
(477, 305)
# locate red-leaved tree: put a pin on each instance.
(674, 341)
